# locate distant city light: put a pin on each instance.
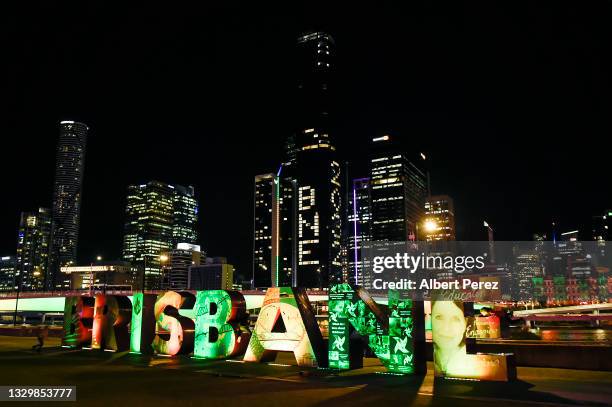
(383, 138)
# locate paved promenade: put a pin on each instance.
(104, 378)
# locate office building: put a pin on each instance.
(439, 223)
(33, 242)
(398, 188)
(67, 195)
(114, 275)
(359, 221)
(274, 231)
(527, 267)
(158, 217)
(7, 273)
(213, 274)
(316, 168)
(182, 257)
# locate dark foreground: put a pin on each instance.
(104, 378)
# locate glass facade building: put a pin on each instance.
(398, 189)
(316, 168)
(7, 273)
(33, 242)
(273, 239)
(158, 217)
(67, 195)
(359, 220)
(439, 221)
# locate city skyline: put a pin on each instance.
(487, 162)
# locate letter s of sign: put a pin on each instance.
(174, 332)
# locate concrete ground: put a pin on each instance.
(104, 378)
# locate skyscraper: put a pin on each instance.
(297, 225)
(274, 228)
(359, 220)
(439, 221)
(265, 215)
(69, 167)
(158, 217)
(7, 273)
(33, 250)
(398, 188)
(316, 170)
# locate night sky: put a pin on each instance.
(511, 102)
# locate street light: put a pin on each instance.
(430, 225)
(99, 258)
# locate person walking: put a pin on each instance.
(43, 333)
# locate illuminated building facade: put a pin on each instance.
(316, 169)
(7, 273)
(69, 168)
(274, 229)
(181, 258)
(439, 221)
(158, 217)
(213, 274)
(107, 275)
(526, 267)
(398, 191)
(265, 204)
(33, 242)
(359, 221)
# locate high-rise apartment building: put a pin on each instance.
(158, 217)
(33, 250)
(67, 195)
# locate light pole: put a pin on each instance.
(490, 236)
(163, 258)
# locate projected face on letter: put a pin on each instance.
(448, 324)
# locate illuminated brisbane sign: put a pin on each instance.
(219, 329)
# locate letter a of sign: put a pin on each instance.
(287, 323)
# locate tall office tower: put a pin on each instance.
(439, 221)
(182, 257)
(265, 200)
(527, 266)
(158, 217)
(33, 250)
(273, 239)
(7, 273)
(359, 221)
(398, 191)
(69, 168)
(186, 209)
(316, 170)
